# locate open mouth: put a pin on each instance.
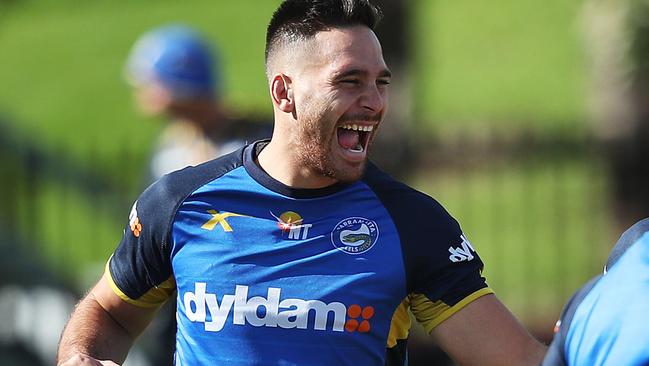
(354, 137)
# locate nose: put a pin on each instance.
(374, 98)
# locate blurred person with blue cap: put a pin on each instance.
(175, 75)
(605, 322)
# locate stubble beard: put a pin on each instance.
(314, 143)
(314, 148)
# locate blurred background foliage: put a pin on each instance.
(502, 105)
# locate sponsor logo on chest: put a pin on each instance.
(289, 313)
(292, 225)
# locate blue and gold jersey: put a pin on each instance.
(269, 274)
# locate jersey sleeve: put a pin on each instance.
(443, 270)
(139, 271)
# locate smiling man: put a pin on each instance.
(330, 95)
(297, 250)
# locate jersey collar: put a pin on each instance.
(258, 174)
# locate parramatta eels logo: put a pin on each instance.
(355, 235)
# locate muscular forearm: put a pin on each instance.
(525, 351)
(92, 331)
(486, 333)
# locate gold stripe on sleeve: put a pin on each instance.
(156, 296)
(431, 314)
(400, 324)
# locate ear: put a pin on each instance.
(281, 91)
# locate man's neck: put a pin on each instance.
(276, 160)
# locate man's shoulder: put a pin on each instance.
(410, 209)
(396, 193)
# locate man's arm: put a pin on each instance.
(485, 333)
(102, 327)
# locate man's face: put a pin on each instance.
(340, 92)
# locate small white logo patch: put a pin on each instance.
(463, 252)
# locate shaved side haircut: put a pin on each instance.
(301, 19)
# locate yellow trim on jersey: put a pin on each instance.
(400, 324)
(431, 314)
(155, 297)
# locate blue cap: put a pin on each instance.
(177, 57)
(628, 238)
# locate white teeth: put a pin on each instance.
(355, 127)
(358, 148)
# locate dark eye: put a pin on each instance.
(350, 81)
(383, 82)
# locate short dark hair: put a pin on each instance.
(296, 19)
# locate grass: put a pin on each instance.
(518, 64)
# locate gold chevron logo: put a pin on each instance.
(219, 218)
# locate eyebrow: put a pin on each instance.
(385, 73)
